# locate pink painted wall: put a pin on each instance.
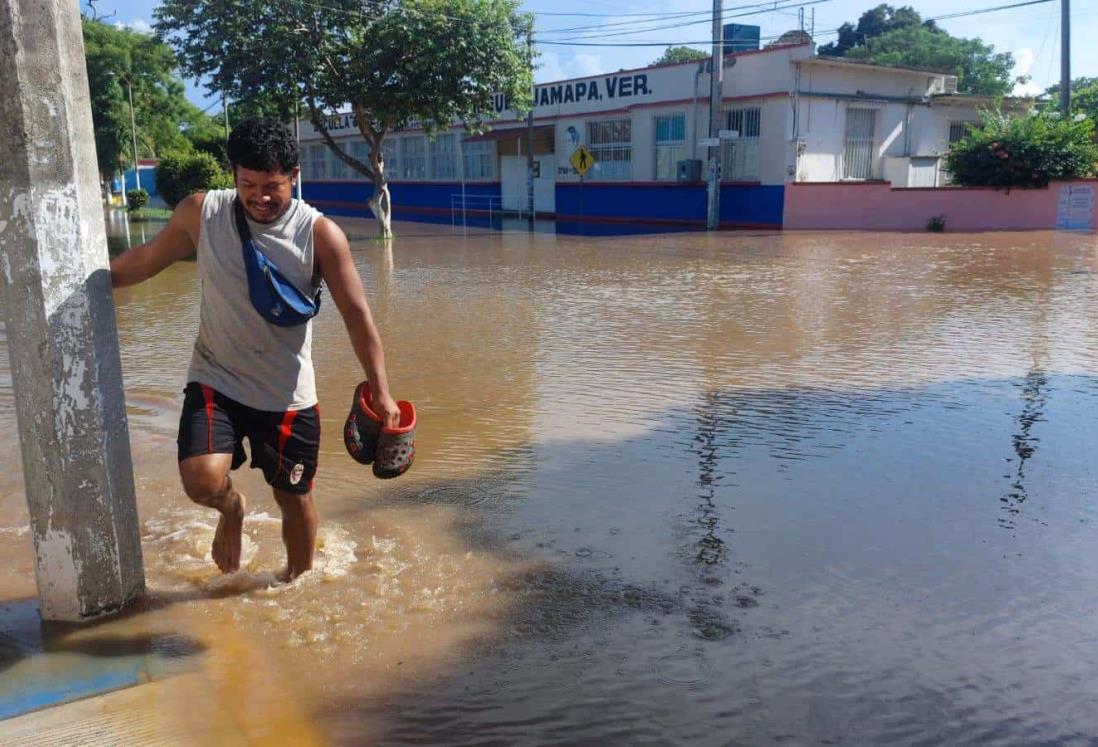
(879, 207)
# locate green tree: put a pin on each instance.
(873, 23)
(428, 61)
(1023, 151)
(181, 174)
(681, 54)
(1084, 97)
(115, 56)
(979, 69)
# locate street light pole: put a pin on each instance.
(1065, 57)
(133, 131)
(716, 80)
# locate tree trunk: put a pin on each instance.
(379, 204)
(381, 208)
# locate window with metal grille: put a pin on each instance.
(480, 159)
(413, 157)
(670, 144)
(336, 168)
(360, 151)
(859, 155)
(318, 163)
(390, 157)
(958, 130)
(444, 156)
(740, 157)
(611, 143)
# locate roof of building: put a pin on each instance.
(844, 62)
(744, 53)
(969, 99)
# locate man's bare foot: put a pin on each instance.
(286, 575)
(227, 538)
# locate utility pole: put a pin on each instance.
(716, 79)
(225, 111)
(297, 137)
(1065, 57)
(133, 131)
(530, 133)
(59, 317)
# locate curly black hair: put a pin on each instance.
(263, 145)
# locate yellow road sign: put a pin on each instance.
(582, 160)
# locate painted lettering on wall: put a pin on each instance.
(335, 122)
(598, 89)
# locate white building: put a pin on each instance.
(797, 117)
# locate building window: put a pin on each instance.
(670, 144)
(336, 168)
(740, 156)
(479, 159)
(360, 151)
(443, 157)
(611, 143)
(958, 131)
(390, 157)
(859, 156)
(413, 157)
(318, 162)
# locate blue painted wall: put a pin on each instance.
(630, 206)
(746, 205)
(643, 202)
(752, 205)
(148, 180)
(417, 201)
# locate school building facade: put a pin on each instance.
(791, 116)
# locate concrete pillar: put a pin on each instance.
(59, 310)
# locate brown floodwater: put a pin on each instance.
(675, 489)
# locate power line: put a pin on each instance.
(768, 6)
(696, 23)
(829, 32)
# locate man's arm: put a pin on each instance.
(333, 255)
(176, 241)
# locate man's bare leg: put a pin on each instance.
(206, 481)
(298, 532)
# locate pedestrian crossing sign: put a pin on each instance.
(582, 160)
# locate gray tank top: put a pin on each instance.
(238, 352)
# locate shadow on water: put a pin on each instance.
(1034, 393)
(637, 593)
(24, 634)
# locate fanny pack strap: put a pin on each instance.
(305, 306)
(242, 222)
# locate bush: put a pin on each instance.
(936, 224)
(1028, 151)
(183, 174)
(136, 199)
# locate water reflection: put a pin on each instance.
(623, 444)
(1034, 391)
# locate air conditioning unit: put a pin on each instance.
(690, 170)
(949, 85)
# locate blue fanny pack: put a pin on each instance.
(275, 298)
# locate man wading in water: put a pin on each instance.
(249, 376)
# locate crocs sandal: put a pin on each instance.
(360, 432)
(396, 447)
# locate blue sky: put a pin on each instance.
(1032, 33)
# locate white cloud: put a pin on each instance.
(1023, 66)
(585, 64)
(140, 26)
(549, 68)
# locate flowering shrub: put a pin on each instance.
(1023, 151)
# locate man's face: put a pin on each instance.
(266, 194)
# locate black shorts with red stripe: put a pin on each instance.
(285, 445)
